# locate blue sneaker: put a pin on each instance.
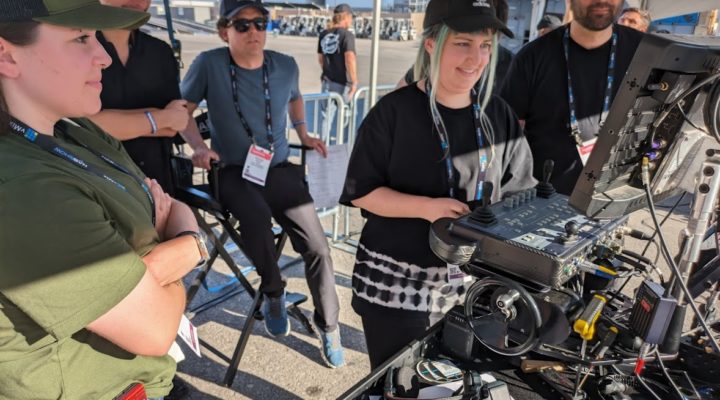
(332, 349)
(275, 314)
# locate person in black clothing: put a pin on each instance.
(336, 55)
(537, 88)
(503, 56)
(141, 98)
(142, 106)
(407, 171)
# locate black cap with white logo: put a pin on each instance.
(464, 16)
(229, 8)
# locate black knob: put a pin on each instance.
(487, 194)
(484, 215)
(548, 167)
(572, 229)
(545, 189)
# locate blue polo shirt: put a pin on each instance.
(209, 79)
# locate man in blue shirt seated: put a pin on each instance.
(250, 92)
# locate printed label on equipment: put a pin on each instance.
(455, 275)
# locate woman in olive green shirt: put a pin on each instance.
(91, 252)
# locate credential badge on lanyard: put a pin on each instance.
(585, 143)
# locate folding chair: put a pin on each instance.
(204, 198)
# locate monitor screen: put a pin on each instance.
(655, 114)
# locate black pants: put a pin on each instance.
(285, 197)
(386, 335)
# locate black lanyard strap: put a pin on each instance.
(50, 145)
(445, 145)
(574, 125)
(266, 93)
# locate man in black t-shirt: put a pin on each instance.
(141, 98)
(537, 86)
(336, 55)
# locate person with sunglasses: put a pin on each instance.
(250, 93)
(91, 252)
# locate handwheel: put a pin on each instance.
(503, 316)
(448, 247)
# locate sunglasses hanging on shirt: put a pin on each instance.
(242, 25)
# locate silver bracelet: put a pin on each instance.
(153, 124)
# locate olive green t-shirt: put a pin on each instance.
(70, 249)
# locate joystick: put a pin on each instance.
(483, 214)
(545, 189)
(572, 229)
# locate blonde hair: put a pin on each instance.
(337, 18)
(428, 67)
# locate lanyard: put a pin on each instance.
(445, 145)
(49, 144)
(266, 92)
(574, 126)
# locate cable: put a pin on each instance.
(669, 213)
(673, 266)
(677, 101)
(647, 387)
(712, 111)
(667, 375)
(685, 116)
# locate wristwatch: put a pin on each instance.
(202, 247)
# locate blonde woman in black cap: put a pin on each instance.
(90, 250)
(423, 153)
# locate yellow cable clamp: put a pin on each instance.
(585, 325)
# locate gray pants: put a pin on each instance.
(329, 107)
(285, 197)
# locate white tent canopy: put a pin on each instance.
(671, 8)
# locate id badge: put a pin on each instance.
(589, 131)
(585, 149)
(257, 165)
(188, 333)
(455, 275)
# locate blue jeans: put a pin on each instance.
(329, 107)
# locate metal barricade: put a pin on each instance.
(314, 122)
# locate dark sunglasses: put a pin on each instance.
(242, 25)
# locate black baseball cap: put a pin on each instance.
(85, 14)
(464, 16)
(343, 8)
(229, 8)
(549, 21)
